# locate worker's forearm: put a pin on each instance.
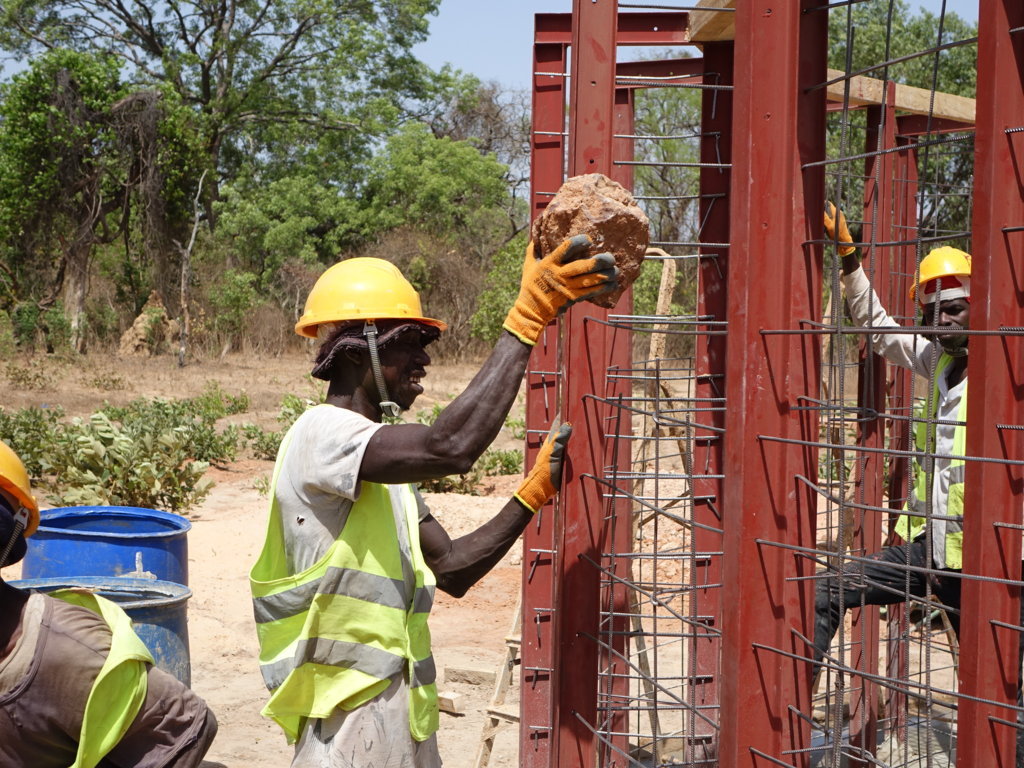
(471, 421)
(461, 563)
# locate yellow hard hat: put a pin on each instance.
(362, 288)
(939, 263)
(14, 482)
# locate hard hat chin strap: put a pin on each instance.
(387, 407)
(20, 524)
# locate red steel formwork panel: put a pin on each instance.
(585, 361)
(879, 205)
(775, 277)
(994, 486)
(562, 578)
(712, 301)
(543, 400)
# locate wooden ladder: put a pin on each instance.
(497, 712)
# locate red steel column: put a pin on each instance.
(775, 283)
(716, 147)
(617, 538)
(901, 403)
(869, 467)
(543, 400)
(993, 492)
(586, 355)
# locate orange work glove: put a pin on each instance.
(549, 285)
(832, 225)
(546, 476)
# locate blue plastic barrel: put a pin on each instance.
(108, 541)
(158, 609)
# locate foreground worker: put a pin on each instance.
(77, 686)
(935, 508)
(345, 581)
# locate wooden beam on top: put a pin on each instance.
(715, 24)
(866, 91)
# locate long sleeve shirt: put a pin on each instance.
(920, 355)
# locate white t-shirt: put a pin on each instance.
(319, 480)
(920, 355)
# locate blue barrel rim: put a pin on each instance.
(164, 590)
(180, 523)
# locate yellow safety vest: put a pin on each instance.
(332, 636)
(120, 688)
(910, 526)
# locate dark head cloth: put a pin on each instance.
(351, 336)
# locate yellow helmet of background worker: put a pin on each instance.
(362, 288)
(940, 263)
(14, 483)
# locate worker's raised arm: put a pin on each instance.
(866, 310)
(406, 453)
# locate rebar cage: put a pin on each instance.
(738, 439)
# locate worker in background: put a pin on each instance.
(77, 686)
(932, 528)
(345, 581)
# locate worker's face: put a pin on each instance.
(952, 314)
(403, 362)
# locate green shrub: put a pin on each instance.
(32, 434)
(142, 465)
(501, 462)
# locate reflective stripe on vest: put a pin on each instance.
(909, 527)
(334, 635)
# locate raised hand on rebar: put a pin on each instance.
(835, 223)
(554, 282)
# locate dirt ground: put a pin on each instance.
(227, 532)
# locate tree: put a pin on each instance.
(79, 156)
(56, 193)
(270, 79)
(922, 54)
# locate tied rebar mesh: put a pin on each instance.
(899, 160)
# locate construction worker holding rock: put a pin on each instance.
(345, 581)
(77, 686)
(932, 528)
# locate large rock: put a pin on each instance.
(596, 206)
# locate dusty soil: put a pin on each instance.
(469, 634)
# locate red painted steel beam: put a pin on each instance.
(900, 391)
(919, 125)
(587, 353)
(689, 68)
(712, 301)
(775, 283)
(617, 539)
(994, 493)
(543, 401)
(669, 28)
(869, 468)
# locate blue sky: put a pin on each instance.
(493, 40)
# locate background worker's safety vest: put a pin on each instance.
(120, 688)
(333, 636)
(909, 527)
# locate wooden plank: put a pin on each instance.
(714, 25)
(867, 91)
